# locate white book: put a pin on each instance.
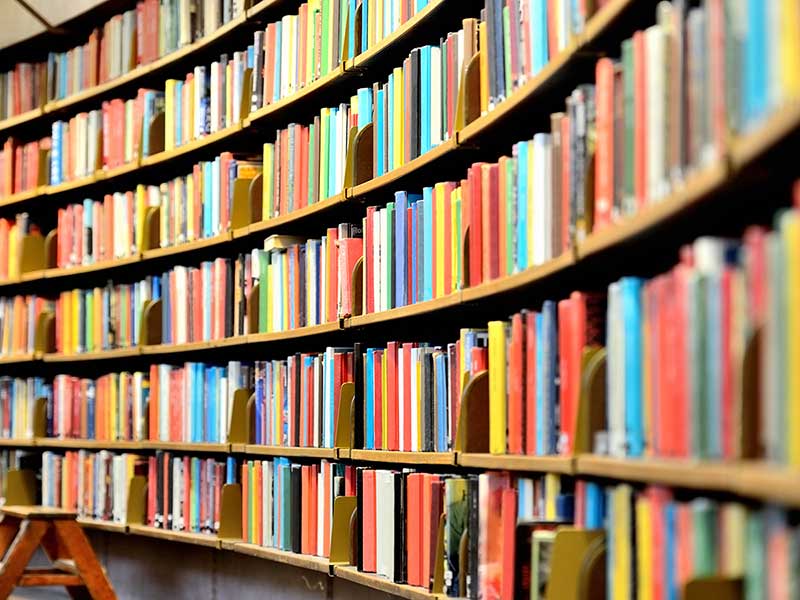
(199, 94)
(655, 40)
(436, 96)
(163, 397)
(616, 372)
(540, 197)
(382, 510)
(286, 74)
(212, 19)
(414, 400)
(215, 103)
(185, 22)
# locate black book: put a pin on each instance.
(399, 527)
(428, 404)
(415, 104)
(296, 521)
(473, 527)
(257, 91)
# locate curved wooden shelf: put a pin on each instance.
(161, 349)
(24, 196)
(16, 359)
(288, 451)
(747, 147)
(304, 561)
(185, 537)
(292, 217)
(105, 265)
(74, 184)
(83, 444)
(22, 118)
(89, 356)
(406, 458)
(17, 443)
(277, 336)
(209, 447)
(109, 526)
(564, 465)
(217, 240)
(191, 146)
(402, 312)
(377, 582)
(530, 275)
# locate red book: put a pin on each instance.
(269, 68)
(501, 216)
(305, 488)
(378, 378)
(409, 254)
(552, 28)
(327, 509)
(640, 119)
(448, 238)
(368, 522)
(302, 18)
(414, 506)
(491, 224)
(580, 504)
(392, 417)
(369, 266)
(247, 499)
(151, 490)
(509, 527)
(284, 187)
(432, 508)
(312, 509)
(515, 385)
(530, 383)
(604, 149)
(479, 361)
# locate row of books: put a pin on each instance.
(414, 110)
(18, 318)
(306, 164)
(94, 484)
(18, 398)
(12, 232)
(379, 18)
(127, 40)
(658, 542)
(289, 506)
(184, 493)
(24, 165)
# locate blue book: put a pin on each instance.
(55, 153)
(364, 26)
(276, 91)
(364, 107)
(427, 255)
(631, 292)
(401, 248)
(670, 583)
(90, 407)
(425, 99)
(521, 152)
(369, 373)
(230, 470)
(379, 142)
(351, 26)
(178, 121)
(595, 505)
(550, 374)
(756, 63)
(440, 373)
(538, 35)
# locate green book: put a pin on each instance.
(629, 189)
(705, 516)
(507, 48)
(326, 34)
(697, 354)
(755, 563)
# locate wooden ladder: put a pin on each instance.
(74, 565)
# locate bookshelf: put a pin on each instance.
(741, 479)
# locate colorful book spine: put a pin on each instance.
(18, 399)
(18, 318)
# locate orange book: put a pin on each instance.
(516, 385)
(640, 119)
(414, 504)
(246, 502)
(327, 509)
(508, 535)
(429, 496)
(500, 193)
(305, 501)
(604, 149)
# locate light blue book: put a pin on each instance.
(631, 292)
(671, 584)
(595, 505)
(425, 99)
(380, 167)
(369, 425)
(538, 35)
(351, 26)
(55, 152)
(521, 202)
(390, 121)
(756, 63)
(427, 262)
(364, 107)
(364, 25)
(414, 241)
(391, 254)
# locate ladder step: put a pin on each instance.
(37, 577)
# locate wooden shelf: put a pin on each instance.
(519, 280)
(276, 336)
(105, 265)
(187, 446)
(294, 216)
(90, 356)
(23, 196)
(768, 482)
(388, 180)
(377, 582)
(88, 444)
(191, 146)
(749, 146)
(185, 537)
(304, 561)
(100, 525)
(16, 443)
(74, 184)
(15, 359)
(695, 188)
(288, 451)
(217, 240)
(564, 465)
(21, 118)
(161, 349)
(401, 312)
(406, 458)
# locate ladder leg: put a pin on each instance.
(74, 540)
(20, 553)
(8, 530)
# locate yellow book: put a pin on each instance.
(455, 240)
(790, 233)
(141, 212)
(621, 553)
(188, 112)
(732, 545)
(379, 21)
(644, 549)
(790, 49)
(399, 116)
(439, 241)
(112, 404)
(370, 24)
(169, 113)
(497, 387)
(552, 489)
(384, 403)
(483, 41)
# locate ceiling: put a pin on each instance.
(17, 24)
